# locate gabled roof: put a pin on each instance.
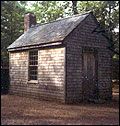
(48, 32)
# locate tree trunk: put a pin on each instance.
(74, 3)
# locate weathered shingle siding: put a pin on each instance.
(50, 74)
(18, 68)
(105, 74)
(82, 37)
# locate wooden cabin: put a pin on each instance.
(63, 60)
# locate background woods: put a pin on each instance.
(12, 20)
(12, 25)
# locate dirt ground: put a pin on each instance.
(17, 110)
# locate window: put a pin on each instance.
(33, 65)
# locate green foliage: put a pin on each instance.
(4, 80)
(47, 11)
(12, 25)
(115, 69)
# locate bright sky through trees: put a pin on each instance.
(29, 6)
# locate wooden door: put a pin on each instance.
(89, 75)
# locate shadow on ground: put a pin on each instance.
(17, 110)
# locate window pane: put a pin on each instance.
(33, 61)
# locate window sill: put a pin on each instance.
(33, 82)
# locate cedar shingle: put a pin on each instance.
(48, 32)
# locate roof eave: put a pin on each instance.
(36, 46)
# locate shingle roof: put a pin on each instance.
(48, 32)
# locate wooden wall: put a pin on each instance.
(51, 72)
(78, 39)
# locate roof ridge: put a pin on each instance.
(64, 18)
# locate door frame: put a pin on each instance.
(87, 49)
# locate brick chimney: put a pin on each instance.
(29, 20)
